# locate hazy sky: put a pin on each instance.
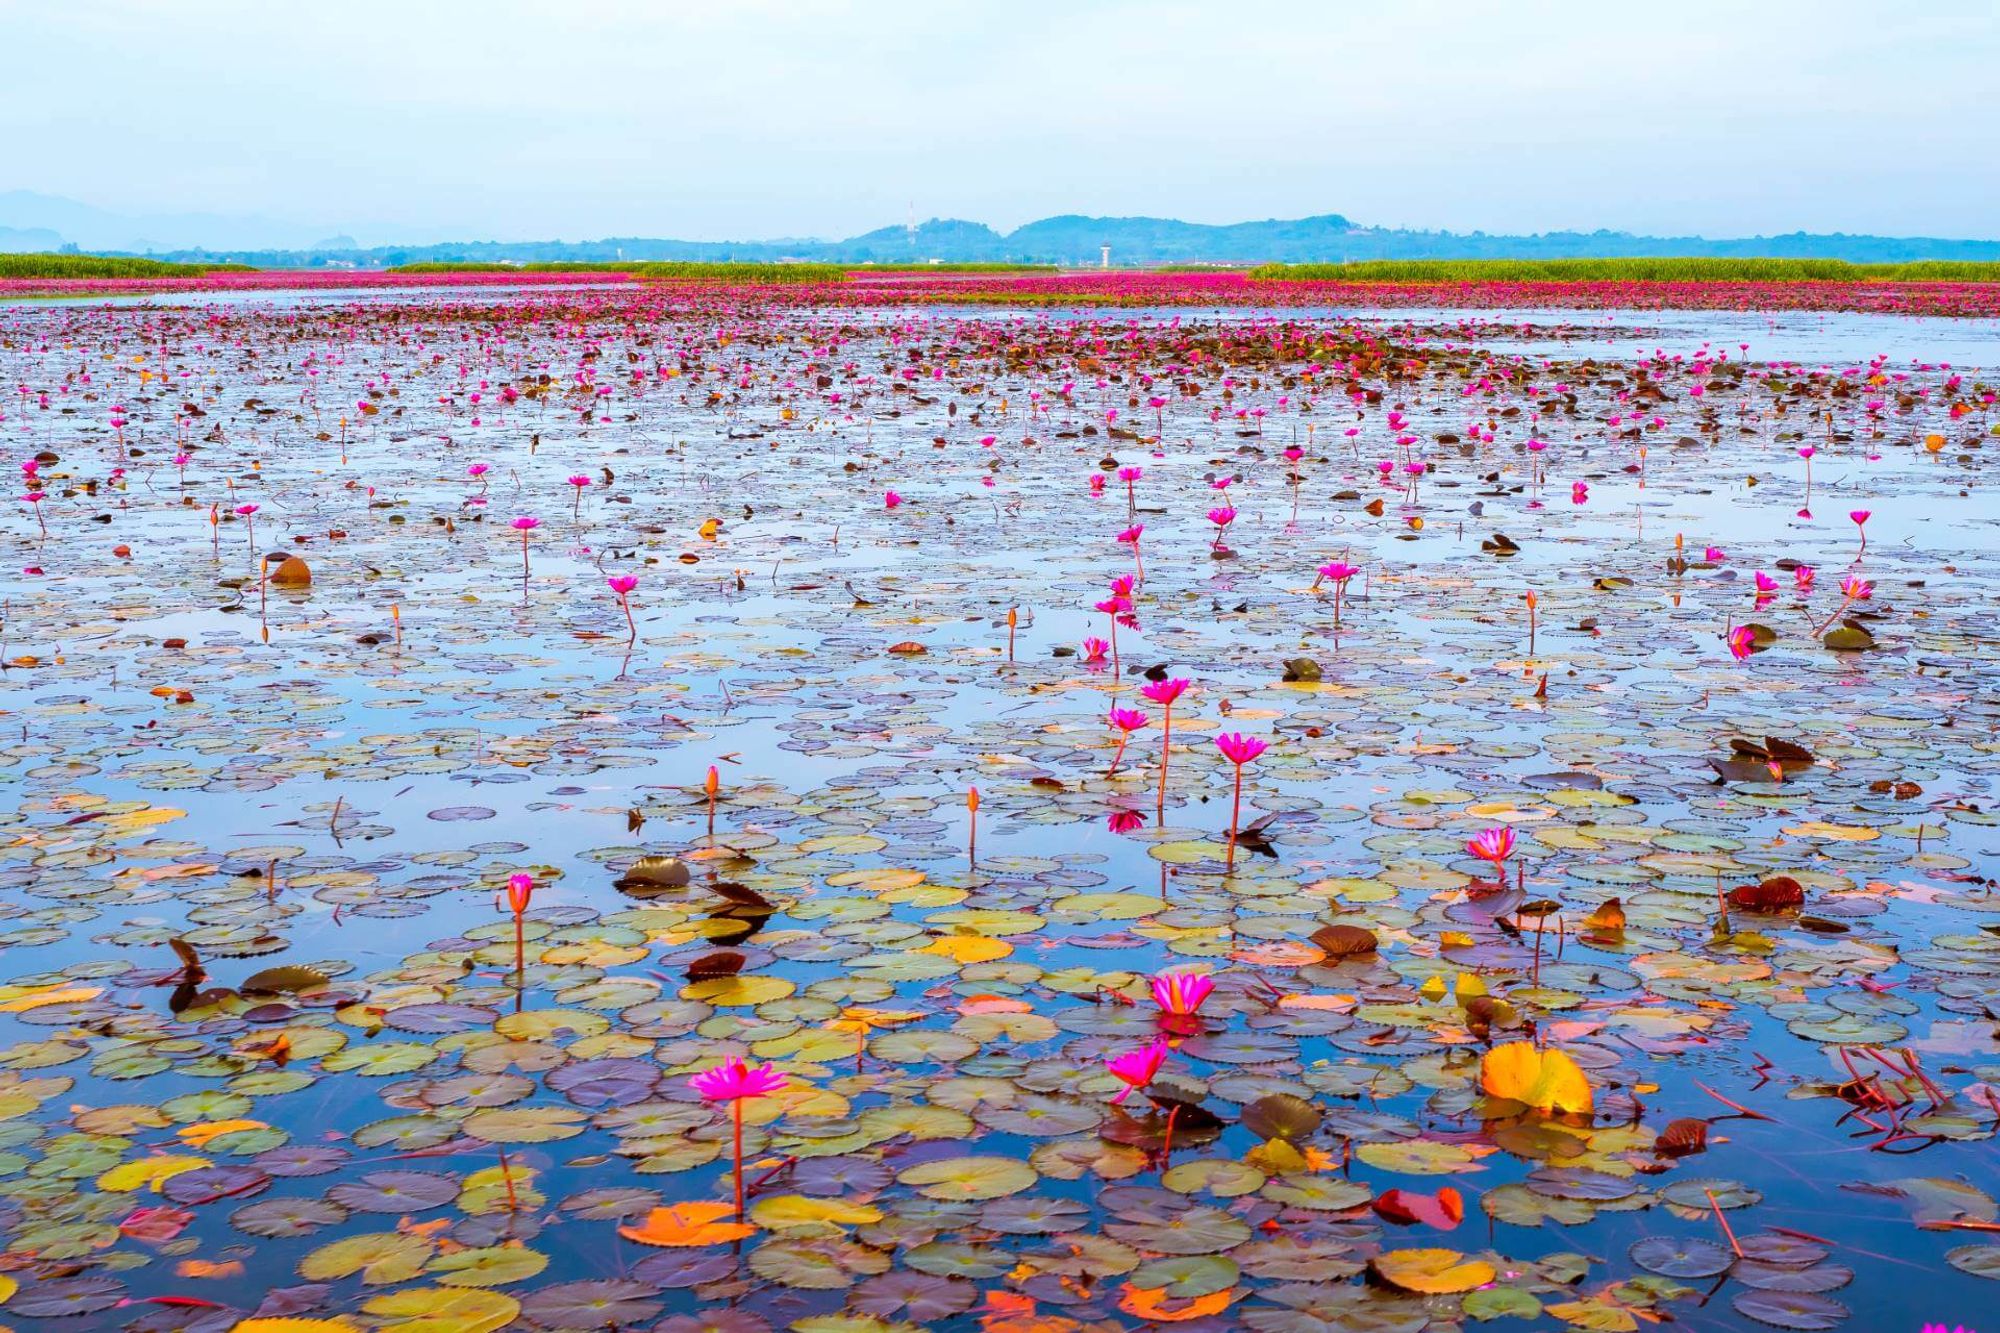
(529, 119)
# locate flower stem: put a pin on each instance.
(737, 1107)
(1235, 813)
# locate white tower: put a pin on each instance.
(1104, 257)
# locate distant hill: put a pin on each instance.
(98, 229)
(1069, 239)
(28, 240)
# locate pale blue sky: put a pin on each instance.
(525, 119)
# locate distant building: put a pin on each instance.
(1104, 258)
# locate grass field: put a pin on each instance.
(102, 266)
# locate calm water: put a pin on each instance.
(355, 770)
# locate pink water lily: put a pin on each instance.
(1742, 641)
(520, 892)
(736, 1082)
(1127, 721)
(622, 585)
(1181, 993)
(1239, 750)
(524, 525)
(1163, 693)
(1340, 572)
(1118, 607)
(1493, 845)
(1130, 536)
(1136, 1068)
(890, 499)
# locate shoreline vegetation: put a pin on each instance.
(1660, 269)
(1929, 288)
(106, 266)
(1663, 269)
(698, 270)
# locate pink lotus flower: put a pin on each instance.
(1127, 720)
(1239, 749)
(1765, 583)
(1713, 555)
(1222, 517)
(1130, 475)
(1492, 845)
(890, 499)
(1803, 578)
(733, 1080)
(1131, 534)
(622, 585)
(1181, 993)
(520, 890)
(1742, 642)
(524, 525)
(1856, 589)
(1860, 516)
(1339, 571)
(1578, 493)
(1164, 692)
(1094, 648)
(1136, 1068)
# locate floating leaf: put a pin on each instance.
(1431, 1272)
(1547, 1080)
